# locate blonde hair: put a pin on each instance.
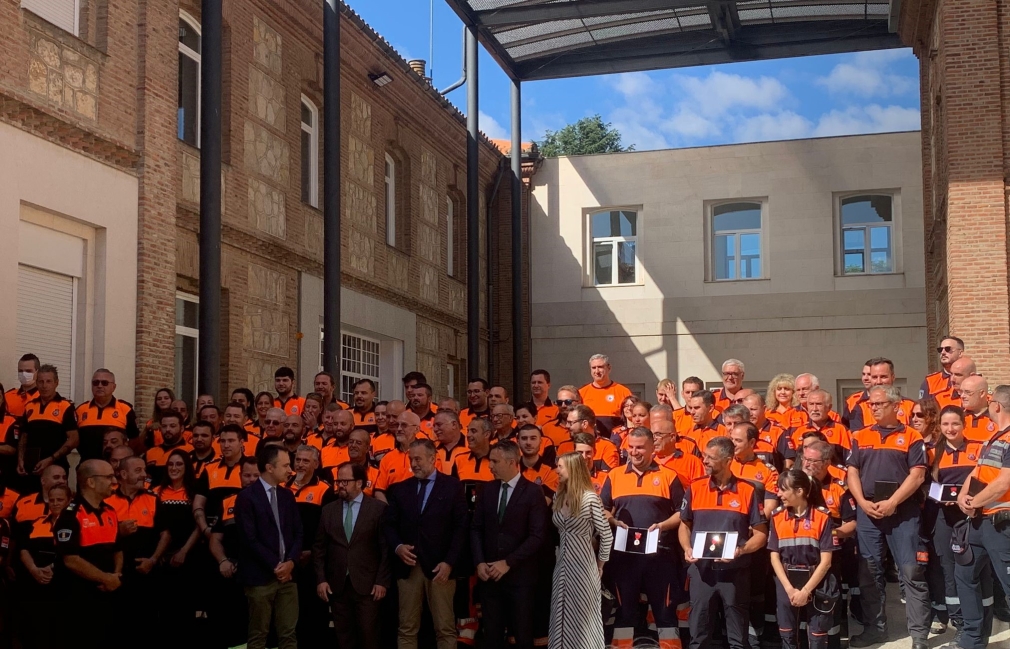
(777, 380)
(571, 491)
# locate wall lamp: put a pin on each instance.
(380, 79)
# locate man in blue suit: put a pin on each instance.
(270, 536)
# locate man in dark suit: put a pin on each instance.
(351, 560)
(509, 527)
(270, 540)
(426, 527)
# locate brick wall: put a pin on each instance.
(961, 46)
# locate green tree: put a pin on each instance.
(587, 136)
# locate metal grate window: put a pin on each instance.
(359, 360)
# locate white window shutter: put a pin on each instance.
(46, 319)
(62, 13)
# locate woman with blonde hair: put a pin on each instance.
(578, 515)
(780, 400)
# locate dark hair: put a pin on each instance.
(797, 480)
(266, 394)
(171, 413)
(267, 454)
(33, 358)
(369, 382)
(48, 369)
(425, 443)
(529, 406)
(3, 403)
(584, 438)
(528, 427)
(248, 460)
(424, 386)
(414, 377)
(941, 442)
(284, 372)
(704, 395)
(954, 338)
(157, 413)
(752, 431)
(234, 404)
(62, 487)
(880, 360)
(209, 405)
(333, 381)
(693, 380)
(509, 448)
(582, 411)
(543, 373)
(188, 477)
(484, 385)
(816, 434)
(381, 403)
(724, 444)
(233, 428)
(203, 423)
(358, 471)
(931, 415)
(247, 393)
(642, 431)
(629, 400)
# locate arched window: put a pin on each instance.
(390, 200)
(736, 241)
(189, 80)
(310, 153)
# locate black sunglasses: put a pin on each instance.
(948, 349)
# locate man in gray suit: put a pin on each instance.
(352, 560)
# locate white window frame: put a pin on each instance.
(893, 238)
(198, 58)
(450, 247)
(31, 6)
(390, 186)
(710, 235)
(450, 373)
(190, 332)
(614, 241)
(313, 132)
(347, 359)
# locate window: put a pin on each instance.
(359, 359)
(615, 243)
(390, 200)
(65, 14)
(736, 241)
(187, 345)
(189, 81)
(451, 239)
(867, 234)
(47, 320)
(310, 153)
(450, 375)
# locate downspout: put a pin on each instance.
(490, 285)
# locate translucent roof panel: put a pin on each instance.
(545, 39)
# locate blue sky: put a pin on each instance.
(866, 92)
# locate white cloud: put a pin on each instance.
(869, 74)
(720, 92)
(786, 125)
(635, 84)
(491, 127)
(868, 119)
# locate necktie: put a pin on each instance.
(349, 520)
(503, 502)
(277, 519)
(420, 494)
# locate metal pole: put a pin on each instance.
(472, 210)
(331, 186)
(517, 241)
(209, 355)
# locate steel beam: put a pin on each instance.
(331, 187)
(472, 209)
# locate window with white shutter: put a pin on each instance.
(47, 314)
(62, 13)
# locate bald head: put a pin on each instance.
(394, 409)
(974, 394)
(961, 369)
(742, 394)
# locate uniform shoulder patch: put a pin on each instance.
(823, 510)
(64, 535)
(779, 509)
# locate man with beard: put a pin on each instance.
(420, 405)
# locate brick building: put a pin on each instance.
(113, 85)
(965, 98)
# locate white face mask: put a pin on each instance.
(26, 378)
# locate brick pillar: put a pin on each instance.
(970, 51)
(157, 87)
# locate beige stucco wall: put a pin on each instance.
(55, 189)
(801, 317)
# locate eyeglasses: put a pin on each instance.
(917, 415)
(732, 373)
(878, 404)
(808, 460)
(500, 415)
(344, 481)
(400, 425)
(565, 402)
(572, 422)
(106, 476)
(271, 422)
(100, 382)
(970, 393)
(474, 391)
(946, 348)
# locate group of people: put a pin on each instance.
(592, 519)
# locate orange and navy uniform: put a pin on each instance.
(687, 466)
(382, 443)
(851, 402)
(722, 400)
(228, 529)
(838, 437)
(801, 418)
(293, 405)
(783, 419)
(936, 383)
(800, 540)
(36, 536)
(93, 420)
(701, 435)
(598, 478)
(886, 454)
(949, 397)
(91, 533)
(953, 467)
(546, 413)
(757, 472)
(365, 419)
(369, 487)
(995, 457)
(8, 501)
(980, 427)
(157, 456)
(736, 507)
(199, 465)
(142, 508)
(642, 499)
(861, 416)
(310, 499)
(45, 426)
(837, 499)
(395, 468)
(18, 398)
(556, 433)
(605, 402)
(217, 482)
(605, 454)
(469, 414)
(428, 424)
(332, 454)
(543, 475)
(29, 509)
(473, 472)
(448, 456)
(682, 419)
(175, 514)
(547, 449)
(769, 434)
(10, 434)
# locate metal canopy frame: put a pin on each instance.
(550, 39)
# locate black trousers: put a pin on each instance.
(709, 586)
(506, 605)
(355, 618)
(313, 614)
